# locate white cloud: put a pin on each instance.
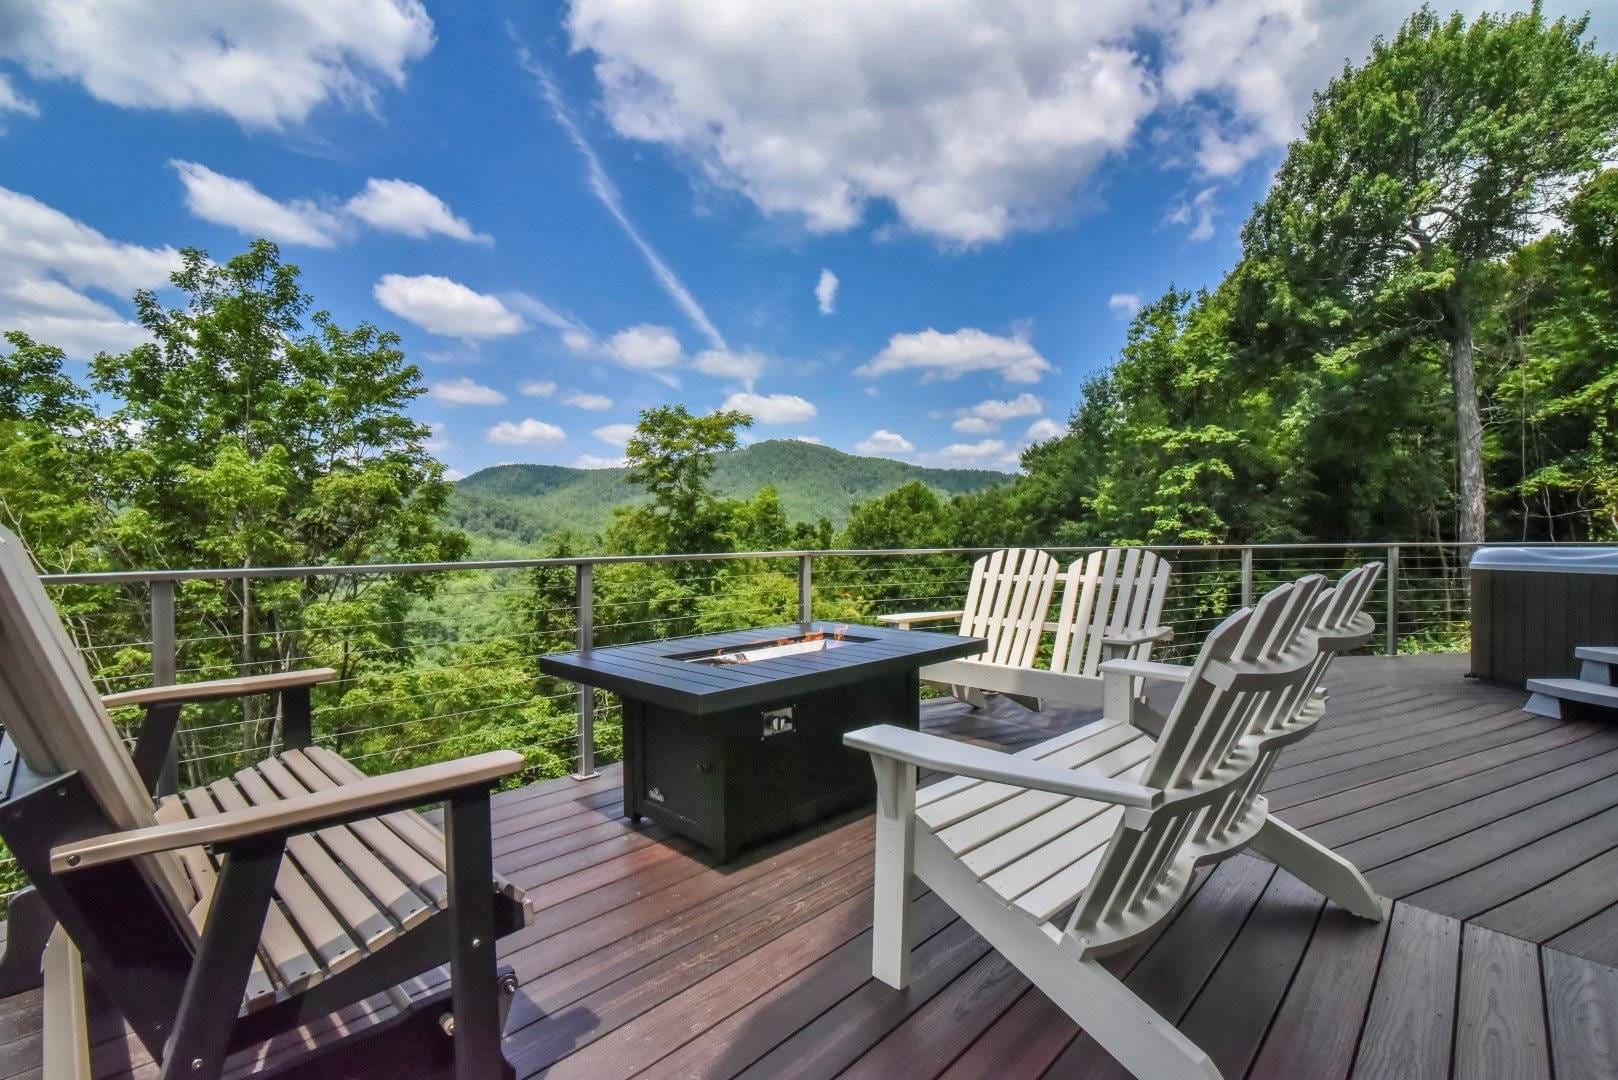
(975, 455)
(1123, 304)
(464, 391)
(812, 440)
(396, 206)
(263, 65)
(47, 259)
(441, 306)
(607, 193)
(12, 100)
(645, 347)
(438, 439)
(529, 432)
(1196, 214)
(225, 200)
(54, 314)
(974, 425)
(826, 292)
(1044, 429)
(949, 356)
(615, 434)
(536, 388)
(453, 475)
(589, 402)
(995, 114)
(883, 442)
(973, 119)
(773, 408)
(399, 206)
(36, 239)
(592, 461)
(743, 367)
(993, 412)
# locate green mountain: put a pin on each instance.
(523, 504)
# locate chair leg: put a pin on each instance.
(474, 978)
(213, 991)
(1120, 1022)
(28, 927)
(1317, 866)
(895, 866)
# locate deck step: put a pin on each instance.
(1549, 693)
(1598, 663)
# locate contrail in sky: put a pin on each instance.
(606, 191)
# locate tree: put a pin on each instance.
(252, 433)
(1556, 335)
(1415, 174)
(48, 456)
(672, 455)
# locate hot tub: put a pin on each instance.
(1532, 605)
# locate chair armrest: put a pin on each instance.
(1060, 687)
(964, 759)
(1126, 638)
(371, 797)
(905, 619)
(1146, 669)
(219, 689)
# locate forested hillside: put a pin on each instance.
(525, 504)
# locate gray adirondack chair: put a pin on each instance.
(221, 917)
(1075, 848)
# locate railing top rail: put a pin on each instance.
(128, 577)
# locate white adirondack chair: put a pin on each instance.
(1007, 602)
(1112, 607)
(1075, 848)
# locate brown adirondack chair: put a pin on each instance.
(227, 915)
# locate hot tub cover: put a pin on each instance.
(1548, 560)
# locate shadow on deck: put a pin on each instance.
(1493, 834)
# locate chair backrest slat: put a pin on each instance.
(1106, 593)
(50, 708)
(1007, 602)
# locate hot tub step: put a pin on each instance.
(1548, 695)
(1598, 663)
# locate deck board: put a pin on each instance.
(1492, 834)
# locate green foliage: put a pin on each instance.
(1416, 173)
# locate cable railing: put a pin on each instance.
(437, 660)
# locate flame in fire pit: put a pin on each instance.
(814, 641)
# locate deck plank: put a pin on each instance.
(1500, 1015)
(1410, 1026)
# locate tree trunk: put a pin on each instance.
(1468, 426)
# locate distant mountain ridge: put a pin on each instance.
(526, 503)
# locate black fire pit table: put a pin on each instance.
(730, 738)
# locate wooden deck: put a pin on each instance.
(1494, 835)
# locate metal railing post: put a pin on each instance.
(806, 589)
(1247, 575)
(584, 594)
(164, 666)
(1392, 646)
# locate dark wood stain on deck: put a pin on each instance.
(1492, 834)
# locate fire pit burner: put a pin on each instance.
(796, 645)
(732, 738)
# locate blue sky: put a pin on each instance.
(574, 212)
